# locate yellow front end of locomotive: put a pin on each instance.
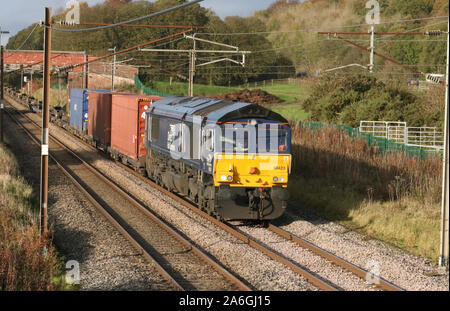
(252, 170)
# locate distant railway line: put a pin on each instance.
(313, 278)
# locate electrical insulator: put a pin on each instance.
(435, 78)
(65, 23)
(434, 33)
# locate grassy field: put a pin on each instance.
(291, 95)
(23, 262)
(389, 197)
(292, 112)
(181, 88)
(288, 93)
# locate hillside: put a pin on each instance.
(284, 40)
(296, 25)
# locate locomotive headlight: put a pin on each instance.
(275, 179)
(281, 179)
(225, 178)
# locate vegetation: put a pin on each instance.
(98, 42)
(292, 112)
(391, 197)
(310, 51)
(25, 263)
(347, 100)
(181, 88)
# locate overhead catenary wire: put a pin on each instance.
(28, 37)
(317, 29)
(128, 21)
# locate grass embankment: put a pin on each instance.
(24, 263)
(181, 88)
(389, 197)
(57, 97)
(291, 95)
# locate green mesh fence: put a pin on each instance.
(383, 145)
(57, 86)
(146, 90)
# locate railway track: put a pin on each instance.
(184, 265)
(312, 277)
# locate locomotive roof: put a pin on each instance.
(215, 110)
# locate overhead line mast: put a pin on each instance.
(371, 49)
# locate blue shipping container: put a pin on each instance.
(79, 105)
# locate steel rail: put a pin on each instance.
(200, 254)
(100, 208)
(313, 279)
(379, 282)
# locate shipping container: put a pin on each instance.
(128, 127)
(99, 127)
(79, 109)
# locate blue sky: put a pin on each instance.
(18, 14)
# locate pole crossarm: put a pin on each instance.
(426, 33)
(342, 67)
(196, 51)
(162, 69)
(133, 25)
(211, 42)
(221, 60)
(381, 55)
(136, 47)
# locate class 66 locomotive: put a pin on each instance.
(232, 159)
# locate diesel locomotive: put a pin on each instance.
(232, 159)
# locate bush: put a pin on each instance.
(348, 100)
(27, 262)
(330, 153)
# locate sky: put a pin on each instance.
(18, 14)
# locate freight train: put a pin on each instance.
(232, 159)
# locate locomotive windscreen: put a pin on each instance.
(262, 138)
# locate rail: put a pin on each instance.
(121, 225)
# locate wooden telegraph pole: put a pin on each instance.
(1, 94)
(45, 134)
(443, 258)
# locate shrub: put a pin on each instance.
(348, 100)
(329, 153)
(27, 262)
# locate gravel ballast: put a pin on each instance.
(405, 270)
(408, 271)
(80, 232)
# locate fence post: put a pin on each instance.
(434, 137)
(406, 134)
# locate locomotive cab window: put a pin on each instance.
(154, 125)
(267, 138)
(208, 139)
